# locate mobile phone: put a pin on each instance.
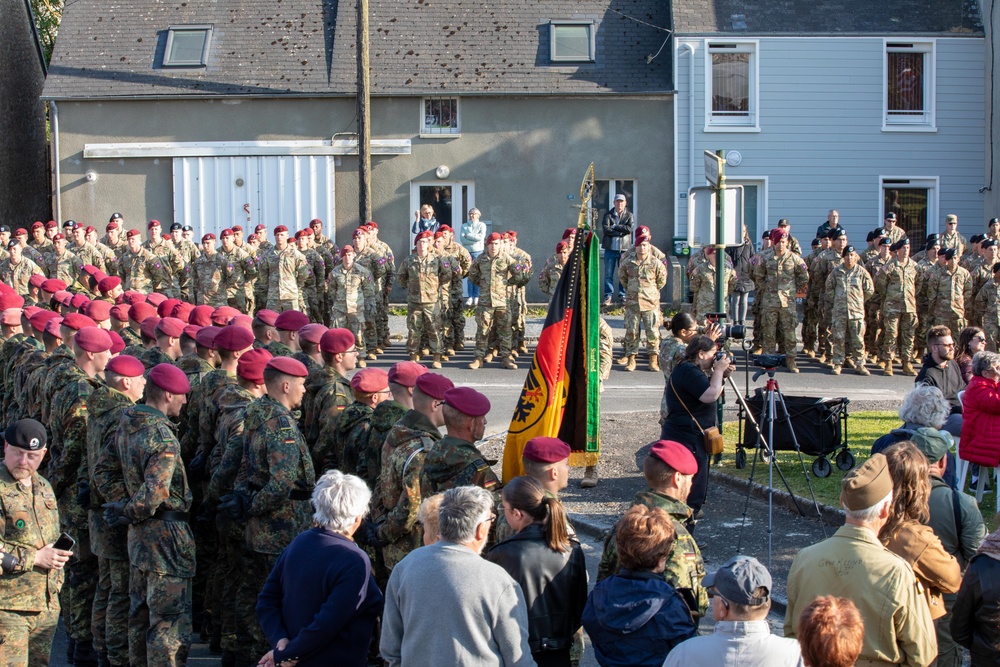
(65, 543)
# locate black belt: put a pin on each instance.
(296, 494)
(171, 515)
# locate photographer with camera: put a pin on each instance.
(692, 391)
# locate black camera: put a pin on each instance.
(769, 360)
(736, 331)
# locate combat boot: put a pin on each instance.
(459, 346)
(450, 352)
(414, 357)
(822, 358)
(887, 368)
(589, 480)
(861, 370)
(371, 356)
(379, 350)
(386, 343)
(809, 353)
(425, 351)
(476, 363)
(508, 362)
(630, 364)
(836, 369)
(790, 364)
(437, 361)
(908, 368)
(654, 361)
(621, 361)
(523, 348)
(489, 357)
(362, 363)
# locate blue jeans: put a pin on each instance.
(611, 259)
(471, 290)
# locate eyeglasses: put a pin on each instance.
(981, 339)
(945, 344)
(952, 223)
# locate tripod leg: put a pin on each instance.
(802, 464)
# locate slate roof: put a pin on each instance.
(828, 17)
(112, 48)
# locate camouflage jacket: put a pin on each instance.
(18, 275)
(142, 271)
(953, 240)
(206, 395)
(896, 284)
(980, 275)
(695, 264)
(685, 566)
(454, 462)
(948, 292)
(606, 344)
(327, 393)
(703, 287)
(155, 356)
(387, 261)
(155, 480)
(57, 367)
(189, 251)
(522, 267)
(104, 410)
(549, 276)
(213, 277)
(283, 274)
(848, 290)
(384, 417)
(671, 353)
(897, 234)
(779, 278)
(174, 267)
(461, 262)
(45, 247)
(988, 303)
(278, 349)
(68, 423)
(349, 290)
(279, 477)
(424, 279)
(89, 254)
(307, 361)
(971, 262)
(64, 267)
(867, 254)
(493, 275)
(110, 258)
(130, 336)
(643, 280)
(818, 271)
(341, 442)
(29, 520)
(227, 457)
(244, 271)
(377, 265)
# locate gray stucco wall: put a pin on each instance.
(525, 156)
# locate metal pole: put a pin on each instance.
(720, 255)
(364, 118)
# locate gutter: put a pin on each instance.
(690, 50)
(56, 174)
(651, 94)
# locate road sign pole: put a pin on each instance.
(720, 254)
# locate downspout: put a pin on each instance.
(54, 118)
(690, 50)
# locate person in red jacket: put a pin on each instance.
(981, 412)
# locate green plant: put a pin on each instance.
(48, 14)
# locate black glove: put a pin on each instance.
(8, 563)
(83, 493)
(114, 514)
(234, 505)
(367, 535)
(196, 469)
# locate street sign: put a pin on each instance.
(701, 216)
(713, 164)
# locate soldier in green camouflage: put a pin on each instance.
(461, 262)
(33, 568)
(342, 443)
(330, 253)
(189, 253)
(85, 252)
(351, 293)
(988, 303)
(141, 270)
(893, 230)
(952, 238)
(283, 275)
(422, 275)
(492, 272)
(642, 276)
(818, 273)
(61, 264)
(778, 277)
(703, 285)
(383, 276)
(328, 391)
(873, 307)
(315, 286)
(239, 294)
(973, 257)
(669, 468)
(949, 290)
(114, 240)
(982, 273)
(17, 270)
(39, 241)
(549, 276)
(925, 265)
(518, 298)
(212, 275)
(896, 285)
(455, 460)
(810, 310)
(170, 260)
(848, 287)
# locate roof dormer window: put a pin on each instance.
(187, 46)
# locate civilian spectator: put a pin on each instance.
(320, 603)
(445, 605)
(424, 220)
(741, 600)
(970, 341)
(831, 633)
(427, 517)
(940, 370)
(742, 256)
(975, 623)
(923, 407)
(473, 240)
(549, 566)
(635, 617)
(617, 227)
(981, 417)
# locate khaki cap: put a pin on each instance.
(867, 484)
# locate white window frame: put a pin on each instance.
(923, 123)
(592, 29)
(751, 122)
(207, 28)
(430, 132)
(931, 183)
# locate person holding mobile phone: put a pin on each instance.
(29, 528)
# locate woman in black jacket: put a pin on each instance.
(548, 565)
(975, 620)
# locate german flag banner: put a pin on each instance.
(561, 394)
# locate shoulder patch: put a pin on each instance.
(165, 433)
(284, 423)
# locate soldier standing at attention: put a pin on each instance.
(38, 239)
(988, 303)
(873, 307)
(894, 231)
(793, 243)
(492, 272)
(456, 461)
(239, 293)
(351, 295)
(643, 277)
(549, 276)
(982, 273)
(402, 380)
(949, 290)
(141, 270)
(518, 300)
(328, 391)
(972, 257)
(341, 442)
(85, 252)
(368, 258)
(848, 287)
(926, 265)
(422, 275)
(819, 272)
(160, 542)
(284, 273)
(170, 259)
(461, 262)
(213, 275)
(32, 567)
(189, 252)
(17, 270)
(61, 264)
(896, 285)
(383, 283)
(951, 237)
(703, 285)
(778, 277)
(317, 270)
(813, 297)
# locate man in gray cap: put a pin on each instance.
(741, 600)
(854, 564)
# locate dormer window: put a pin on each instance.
(187, 46)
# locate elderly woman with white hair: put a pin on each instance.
(924, 407)
(320, 603)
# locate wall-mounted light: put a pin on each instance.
(91, 176)
(239, 182)
(443, 171)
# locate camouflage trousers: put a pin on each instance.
(992, 335)
(109, 622)
(518, 309)
(824, 323)
(382, 317)
(206, 546)
(851, 333)
(423, 318)
(355, 323)
(159, 619)
(455, 328)
(810, 325)
(895, 326)
(81, 583)
(489, 319)
(953, 321)
(281, 305)
(256, 568)
(778, 326)
(240, 302)
(873, 328)
(26, 637)
(314, 305)
(649, 320)
(227, 576)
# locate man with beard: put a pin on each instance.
(940, 370)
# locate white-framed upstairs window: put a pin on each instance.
(572, 41)
(732, 87)
(908, 90)
(439, 117)
(187, 46)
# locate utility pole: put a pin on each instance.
(364, 118)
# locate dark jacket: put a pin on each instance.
(741, 256)
(322, 597)
(975, 619)
(906, 433)
(948, 380)
(554, 585)
(616, 227)
(636, 618)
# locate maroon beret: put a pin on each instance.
(546, 450)
(80, 300)
(153, 223)
(291, 320)
(10, 317)
(93, 339)
(222, 315)
(52, 327)
(120, 312)
(493, 237)
(99, 311)
(242, 320)
(280, 228)
(182, 311)
(675, 455)
(569, 233)
(208, 237)
(778, 234)
(169, 378)
(131, 233)
(288, 366)
(139, 312)
(336, 341)
(148, 326)
(201, 316)
(126, 366)
(31, 310)
(312, 333)
(166, 308)
(205, 336)
(58, 237)
(233, 338)
(405, 373)
(6, 289)
(226, 232)
(266, 316)
(117, 342)
(39, 319)
(260, 228)
(36, 280)
(251, 365)
(64, 298)
(11, 300)
(237, 228)
(132, 297)
(89, 269)
(423, 235)
(191, 330)
(468, 401)
(370, 380)
(434, 385)
(76, 321)
(53, 285)
(155, 298)
(358, 232)
(109, 283)
(347, 249)
(170, 326)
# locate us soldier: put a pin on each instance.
(314, 287)
(17, 270)
(894, 231)
(383, 282)
(516, 293)
(896, 285)
(848, 287)
(352, 296)
(492, 272)
(38, 239)
(189, 252)
(32, 566)
(973, 257)
(993, 225)
(925, 265)
(114, 238)
(141, 270)
(873, 306)
(669, 468)
(643, 277)
(703, 286)
(873, 244)
(160, 545)
(263, 245)
(949, 289)
(810, 313)
(988, 303)
(403, 454)
(170, 260)
(422, 274)
(328, 391)
(793, 243)
(549, 276)
(455, 460)
(981, 274)
(213, 275)
(952, 238)
(239, 294)
(341, 442)
(756, 308)
(371, 258)
(85, 252)
(778, 277)
(61, 264)
(461, 262)
(284, 274)
(819, 272)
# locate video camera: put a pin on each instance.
(769, 360)
(736, 331)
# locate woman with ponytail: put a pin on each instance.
(548, 564)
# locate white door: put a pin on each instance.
(451, 202)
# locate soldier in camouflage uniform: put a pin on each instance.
(982, 273)
(873, 307)
(17, 270)
(988, 303)
(892, 230)
(406, 446)
(368, 257)
(170, 260)
(189, 253)
(328, 391)
(315, 286)
(402, 379)
(949, 290)
(703, 286)
(342, 443)
(896, 285)
(973, 257)
(643, 277)
(114, 239)
(952, 238)
(29, 525)
(848, 287)
(38, 240)
(492, 272)
(818, 273)
(778, 277)
(549, 276)
(925, 265)
(85, 252)
(239, 294)
(284, 274)
(668, 469)
(461, 262)
(422, 274)
(61, 263)
(455, 460)
(383, 276)
(518, 299)
(810, 310)
(212, 275)
(352, 296)
(141, 270)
